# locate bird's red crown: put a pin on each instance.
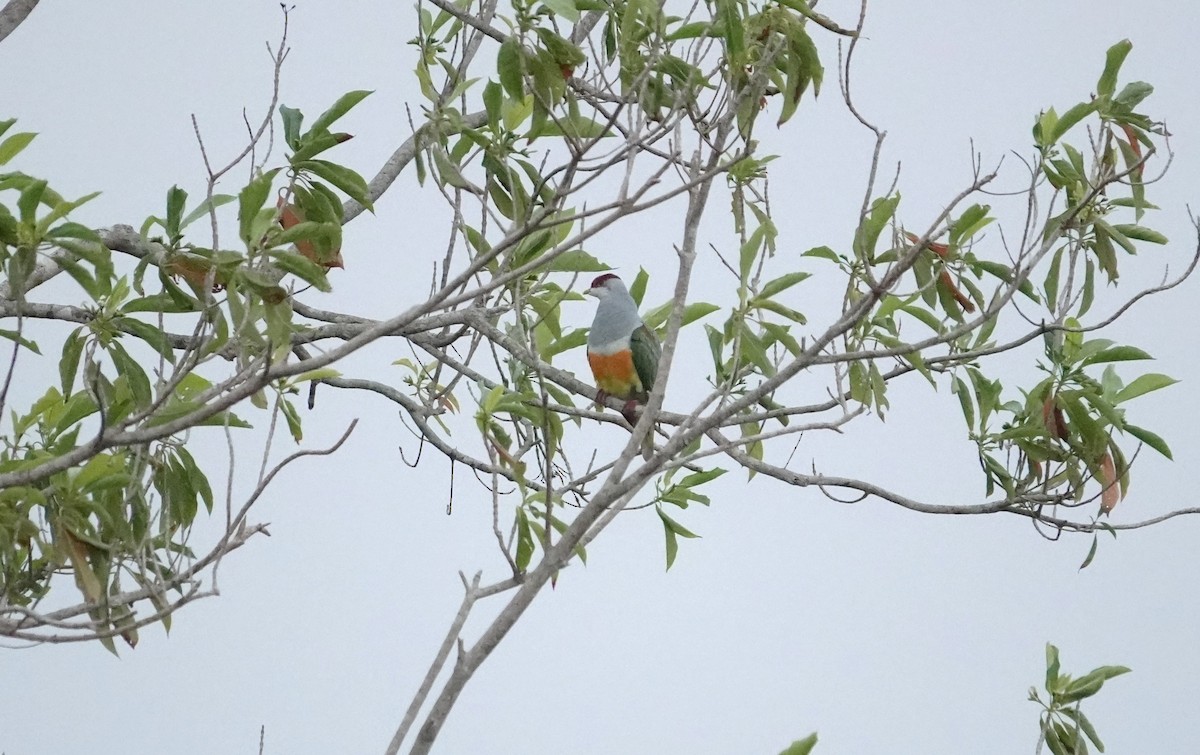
(601, 279)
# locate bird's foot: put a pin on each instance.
(601, 398)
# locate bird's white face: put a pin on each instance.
(602, 288)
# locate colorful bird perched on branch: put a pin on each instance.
(622, 352)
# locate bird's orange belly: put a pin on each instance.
(615, 374)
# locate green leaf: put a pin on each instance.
(1070, 118)
(1112, 67)
(576, 261)
(19, 339)
(691, 31)
(94, 251)
(8, 227)
(574, 338)
(250, 201)
(560, 51)
(1102, 673)
(576, 127)
(10, 147)
(292, 118)
(311, 146)
(973, 219)
(1106, 255)
(1052, 665)
(699, 478)
(1080, 689)
(27, 203)
(781, 335)
(174, 410)
(176, 199)
(783, 311)
(823, 252)
(1055, 746)
(1050, 286)
(801, 746)
(1089, 289)
(672, 531)
(1132, 94)
(1132, 203)
(295, 426)
(164, 303)
(337, 110)
(750, 250)
(514, 111)
(1090, 431)
(782, 283)
(564, 8)
(930, 320)
(959, 387)
(447, 170)
(308, 230)
(524, 541)
(1117, 354)
(303, 268)
(727, 12)
(866, 236)
(493, 103)
(1142, 385)
(342, 177)
(1150, 439)
(204, 207)
(1090, 555)
(657, 317)
(638, 289)
(508, 65)
(151, 334)
(321, 203)
(139, 384)
(696, 310)
(76, 408)
(1084, 724)
(1141, 233)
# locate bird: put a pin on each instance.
(622, 352)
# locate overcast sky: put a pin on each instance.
(882, 629)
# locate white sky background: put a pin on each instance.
(884, 630)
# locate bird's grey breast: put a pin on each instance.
(616, 318)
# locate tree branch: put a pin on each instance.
(13, 13)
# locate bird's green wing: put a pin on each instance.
(646, 352)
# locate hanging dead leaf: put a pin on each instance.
(1135, 146)
(964, 301)
(1107, 476)
(1052, 417)
(945, 279)
(193, 269)
(290, 215)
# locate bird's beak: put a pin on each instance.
(592, 292)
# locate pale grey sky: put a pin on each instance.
(884, 630)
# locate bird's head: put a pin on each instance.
(604, 285)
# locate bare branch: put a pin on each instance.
(13, 13)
